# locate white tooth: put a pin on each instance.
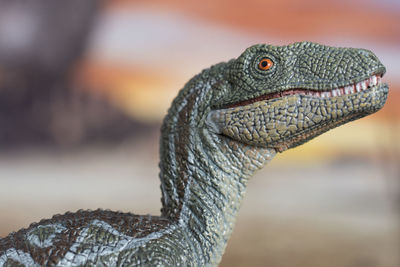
(348, 89)
(358, 87)
(378, 79)
(373, 80)
(364, 85)
(338, 92)
(334, 92)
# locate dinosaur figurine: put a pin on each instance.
(225, 124)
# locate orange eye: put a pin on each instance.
(265, 64)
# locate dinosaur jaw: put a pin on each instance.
(289, 120)
(371, 92)
(311, 133)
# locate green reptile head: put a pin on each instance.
(282, 96)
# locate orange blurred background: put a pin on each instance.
(331, 202)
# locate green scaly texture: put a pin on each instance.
(226, 123)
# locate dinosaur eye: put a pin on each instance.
(265, 63)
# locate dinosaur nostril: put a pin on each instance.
(373, 57)
(368, 54)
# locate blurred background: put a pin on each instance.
(84, 86)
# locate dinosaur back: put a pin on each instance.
(78, 237)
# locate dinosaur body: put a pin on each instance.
(225, 124)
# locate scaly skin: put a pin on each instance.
(225, 124)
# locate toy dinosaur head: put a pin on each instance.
(230, 119)
(282, 96)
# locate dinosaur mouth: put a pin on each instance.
(285, 122)
(370, 82)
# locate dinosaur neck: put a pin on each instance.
(203, 175)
